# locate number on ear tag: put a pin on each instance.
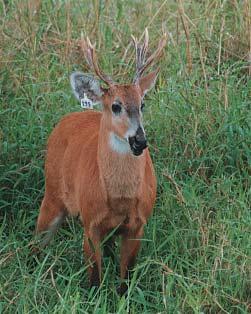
(86, 103)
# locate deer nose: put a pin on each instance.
(140, 138)
(138, 142)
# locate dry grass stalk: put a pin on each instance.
(225, 94)
(247, 23)
(187, 33)
(68, 30)
(203, 58)
(220, 44)
(180, 196)
(177, 31)
(54, 285)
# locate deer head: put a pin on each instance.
(122, 103)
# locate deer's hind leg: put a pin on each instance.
(51, 215)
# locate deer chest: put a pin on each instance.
(123, 214)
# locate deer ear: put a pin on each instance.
(148, 81)
(85, 85)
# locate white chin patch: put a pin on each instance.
(119, 145)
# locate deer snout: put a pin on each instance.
(138, 142)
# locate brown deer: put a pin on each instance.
(98, 165)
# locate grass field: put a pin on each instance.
(196, 252)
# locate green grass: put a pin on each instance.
(196, 252)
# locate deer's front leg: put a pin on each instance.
(129, 249)
(92, 252)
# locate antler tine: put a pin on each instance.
(141, 51)
(145, 46)
(90, 55)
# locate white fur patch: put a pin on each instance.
(56, 221)
(119, 145)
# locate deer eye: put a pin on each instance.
(116, 108)
(142, 106)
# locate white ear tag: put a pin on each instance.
(86, 103)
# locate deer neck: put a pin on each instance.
(121, 172)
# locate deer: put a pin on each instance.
(98, 165)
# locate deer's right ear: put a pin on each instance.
(85, 85)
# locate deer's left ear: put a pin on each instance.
(148, 81)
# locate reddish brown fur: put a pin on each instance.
(86, 177)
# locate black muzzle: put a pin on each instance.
(138, 142)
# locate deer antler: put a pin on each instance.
(91, 59)
(141, 51)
